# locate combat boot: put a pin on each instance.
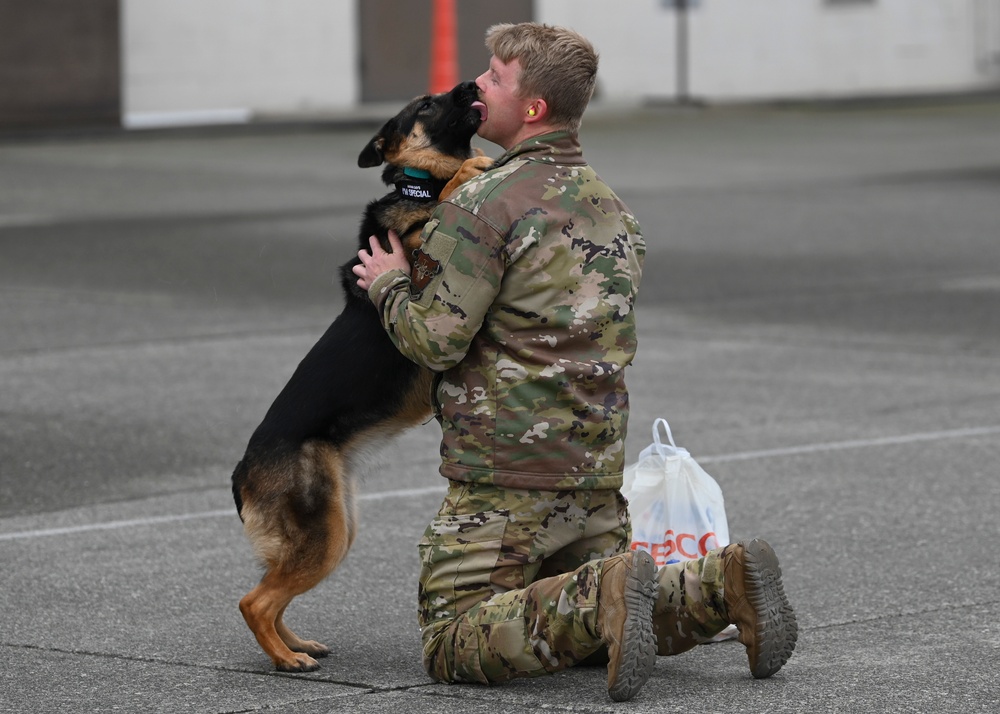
(755, 602)
(625, 596)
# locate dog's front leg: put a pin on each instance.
(469, 169)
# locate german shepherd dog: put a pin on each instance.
(295, 486)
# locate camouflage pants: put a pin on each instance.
(689, 607)
(508, 583)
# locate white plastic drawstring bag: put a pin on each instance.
(677, 509)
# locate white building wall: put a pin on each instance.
(635, 39)
(229, 60)
(743, 50)
(816, 48)
(197, 61)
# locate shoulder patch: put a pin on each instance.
(425, 268)
(428, 265)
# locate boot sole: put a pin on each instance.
(639, 643)
(777, 630)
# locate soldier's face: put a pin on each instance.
(505, 111)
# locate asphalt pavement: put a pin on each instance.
(819, 322)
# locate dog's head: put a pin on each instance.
(433, 133)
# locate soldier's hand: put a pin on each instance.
(377, 261)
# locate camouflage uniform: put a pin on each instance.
(689, 607)
(521, 298)
(508, 582)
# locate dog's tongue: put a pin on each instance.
(482, 110)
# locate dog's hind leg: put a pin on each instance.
(262, 608)
(300, 543)
(296, 643)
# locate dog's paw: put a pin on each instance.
(469, 169)
(473, 167)
(313, 648)
(298, 662)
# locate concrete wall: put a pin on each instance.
(764, 49)
(230, 60)
(195, 61)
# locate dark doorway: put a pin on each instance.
(396, 42)
(60, 63)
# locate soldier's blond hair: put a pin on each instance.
(557, 64)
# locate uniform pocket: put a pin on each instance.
(458, 554)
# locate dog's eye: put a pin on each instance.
(425, 106)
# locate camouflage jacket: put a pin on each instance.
(522, 297)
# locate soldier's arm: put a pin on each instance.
(433, 314)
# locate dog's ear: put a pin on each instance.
(372, 154)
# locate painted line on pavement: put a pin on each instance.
(410, 492)
(220, 513)
(853, 444)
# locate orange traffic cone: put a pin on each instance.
(444, 47)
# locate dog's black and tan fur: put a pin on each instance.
(294, 487)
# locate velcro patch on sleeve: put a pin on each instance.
(429, 262)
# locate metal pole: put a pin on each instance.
(682, 51)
